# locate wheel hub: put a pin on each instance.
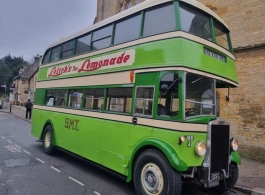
(152, 179)
(47, 139)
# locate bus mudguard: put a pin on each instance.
(166, 149)
(235, 157)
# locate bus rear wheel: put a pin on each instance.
(153, 175)
(48, 146)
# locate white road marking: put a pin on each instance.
(9, 141)
(97, 193)
(76, 181)
(2, 137)
(56, 169)
(40, 160)
(12, 149)
(26, 152)
(18, 146)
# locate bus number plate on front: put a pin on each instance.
(216, 176)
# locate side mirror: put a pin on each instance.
(164, 88)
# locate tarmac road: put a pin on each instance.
(26, 170)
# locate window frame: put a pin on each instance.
(108, 104)
(102, 109)
(195, 9)
(69, 99)
(45, 103)
(201, 103)
(89, 46)
(63, 51)
(135, 98)
(66, 100)
(139, 14)
(157, 7)
(102, 38)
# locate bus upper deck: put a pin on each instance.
(153, 34)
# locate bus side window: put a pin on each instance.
(49, 99)
(168, 102)
(75, 98)
(144, 101)
(119, 100)
(94, 99)
(60, 97)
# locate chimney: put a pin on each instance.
(37, 59)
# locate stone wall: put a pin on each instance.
(246, 109)
(107, 8)
(244, 18)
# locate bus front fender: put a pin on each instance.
(235, 157)
(163, 147)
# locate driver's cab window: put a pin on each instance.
(168, 99)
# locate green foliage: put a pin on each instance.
(9, 68)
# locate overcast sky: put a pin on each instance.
(27, 27)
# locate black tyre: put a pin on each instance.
(153, 175)
(48, 146)
(230, 182)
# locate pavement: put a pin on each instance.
(251, 173)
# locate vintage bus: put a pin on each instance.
(136, 94)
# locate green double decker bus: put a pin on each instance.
(136, 94)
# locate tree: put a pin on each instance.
(9, 68)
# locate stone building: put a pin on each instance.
(24, 84)
(106, 8)
(245, 109)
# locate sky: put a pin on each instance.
(28, 27)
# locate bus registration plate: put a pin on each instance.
(216, 176)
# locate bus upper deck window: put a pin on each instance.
(55, 54)
(159, 19)
(221, 34)
(195, 22)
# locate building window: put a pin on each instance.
(94, 99)
(144, 101)
(75, 98)
(119, 100)
(159, 19)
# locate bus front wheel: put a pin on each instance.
(230, 181)
(48, 146)
(153, 175)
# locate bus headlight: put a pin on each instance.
(234, 144)
(200, 148)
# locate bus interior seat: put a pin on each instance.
(161, 110)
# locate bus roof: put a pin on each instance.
(132, 10)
